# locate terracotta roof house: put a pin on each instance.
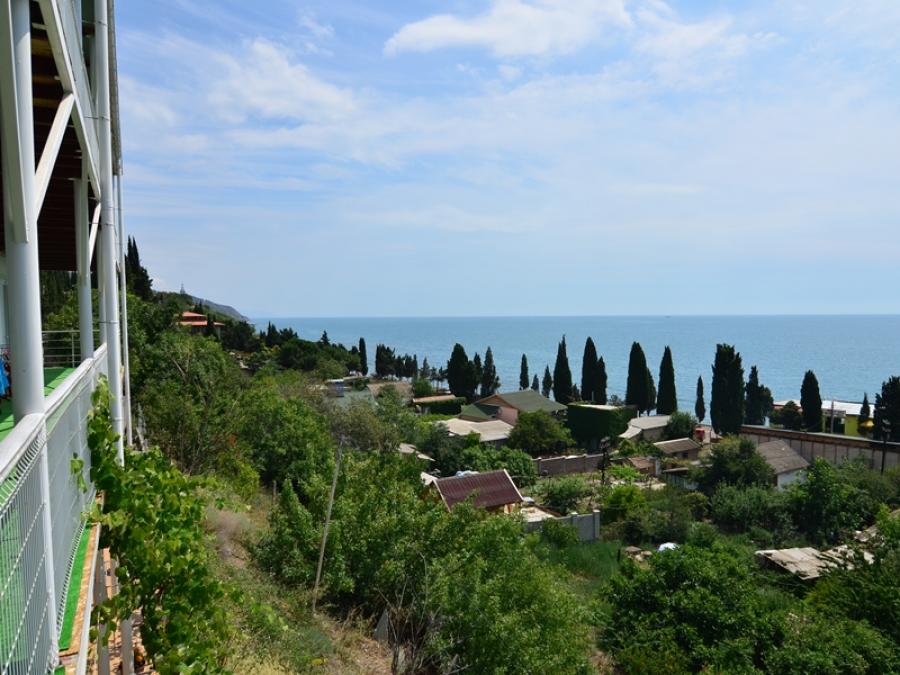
(193, 320)
(492, 490)
(507, 406)
(786, 463)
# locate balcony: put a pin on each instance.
(42, 542)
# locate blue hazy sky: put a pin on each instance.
(491, 157)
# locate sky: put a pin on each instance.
(515, 157)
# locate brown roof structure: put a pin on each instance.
(677, 445)
(781, 457)
(491, 489)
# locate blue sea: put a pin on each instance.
(850, 355)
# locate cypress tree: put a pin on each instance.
(477, 368)
(700, 404)
(726, 405)
(811, 402)
(865, 412)
(667, 401)
(600, 386)
(490, 383)
(636, 388)
(535, 383)
(562, 375)
(651, 393)
(589, 371)
(523, 373)
(887, 409)
(363, 357)
(547, 384)
(461, 374)
(753, 402)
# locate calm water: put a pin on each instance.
(850, 354)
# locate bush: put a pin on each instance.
(558, 533)
(539, 433)
(734, 461)
(590, 425)
(562, 494)
(623, 501)
(680, 425)
(446, 407)
(421, 388)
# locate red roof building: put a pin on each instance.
(491, 490)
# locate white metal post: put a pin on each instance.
(124, 291)
(107, 221)
(83, 254)
(20, 213)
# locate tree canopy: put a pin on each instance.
(667, 399)
(461, 375)
(589, 371)
(637, 392)
(562, 375)
(524, 380)
(726, 406)
(700, 403)
(811, 402)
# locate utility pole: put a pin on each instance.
(334, 480)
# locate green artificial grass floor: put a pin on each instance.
(74, 591)
(52, 379)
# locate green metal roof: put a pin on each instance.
(474, 411)
(528, 400)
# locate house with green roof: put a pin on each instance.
(507, 406)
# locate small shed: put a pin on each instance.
(491, 490)
(787, 464)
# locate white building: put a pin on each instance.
(61, 169)
(787, 465)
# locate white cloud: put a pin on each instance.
(266, 81)
(513, 28)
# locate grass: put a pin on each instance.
(52, 379)
(591, 564)
(74, 591)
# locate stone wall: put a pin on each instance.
(834, 448)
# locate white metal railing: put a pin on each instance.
(62, 348)
(35, 519)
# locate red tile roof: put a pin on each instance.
(193, 315)
(490, 489)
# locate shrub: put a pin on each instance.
(680, 425)
(623, 501)
(446, 407)
(734, 461)
(563, 494)
(539, 433)
(590, 425)
(558, 533)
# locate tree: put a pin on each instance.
(667, 400)
(753, 402)
(726, 406)
(680, 425)
(562, 375)
(734, 461)
(788, 417)
(865, 412)
(490, 383)
(477, 368)
(547, 382)
(600, 386)
(700, 404)
(523, 373)
(363, 357)
(589, 371)
(887, 408)
(636, 392)
(539, 433)
(563, 494)
(461, 374)
(324, 340)
(535, 383)
(651, 393)
(811, 402)
(136, 274)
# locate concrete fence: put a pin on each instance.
(833, 448)
(586, 525)
(560, 466)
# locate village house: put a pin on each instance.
(838, 417)
(787, 464)
(493, 491)
(681, 448)
(649, 428)
(507, 406)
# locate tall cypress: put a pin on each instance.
(754, 412)
(636, 388)
(811, 402)
(700, 403)
(865, 412)
(477, 368)
(651, 393)
(562, 375)
(461, 373)
(600, 385)
(490, 383)
(666, 401)
(363, 358)
(523, 373)
(535, 383)
(726, 405)
(589, 371)
(887, 409)
(547, 383)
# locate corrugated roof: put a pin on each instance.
(649, 422)
(677, 445)
(781, 457)
(479, 412)
(488, 490)
(526, 400)
(437, 398)
(488, 432)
